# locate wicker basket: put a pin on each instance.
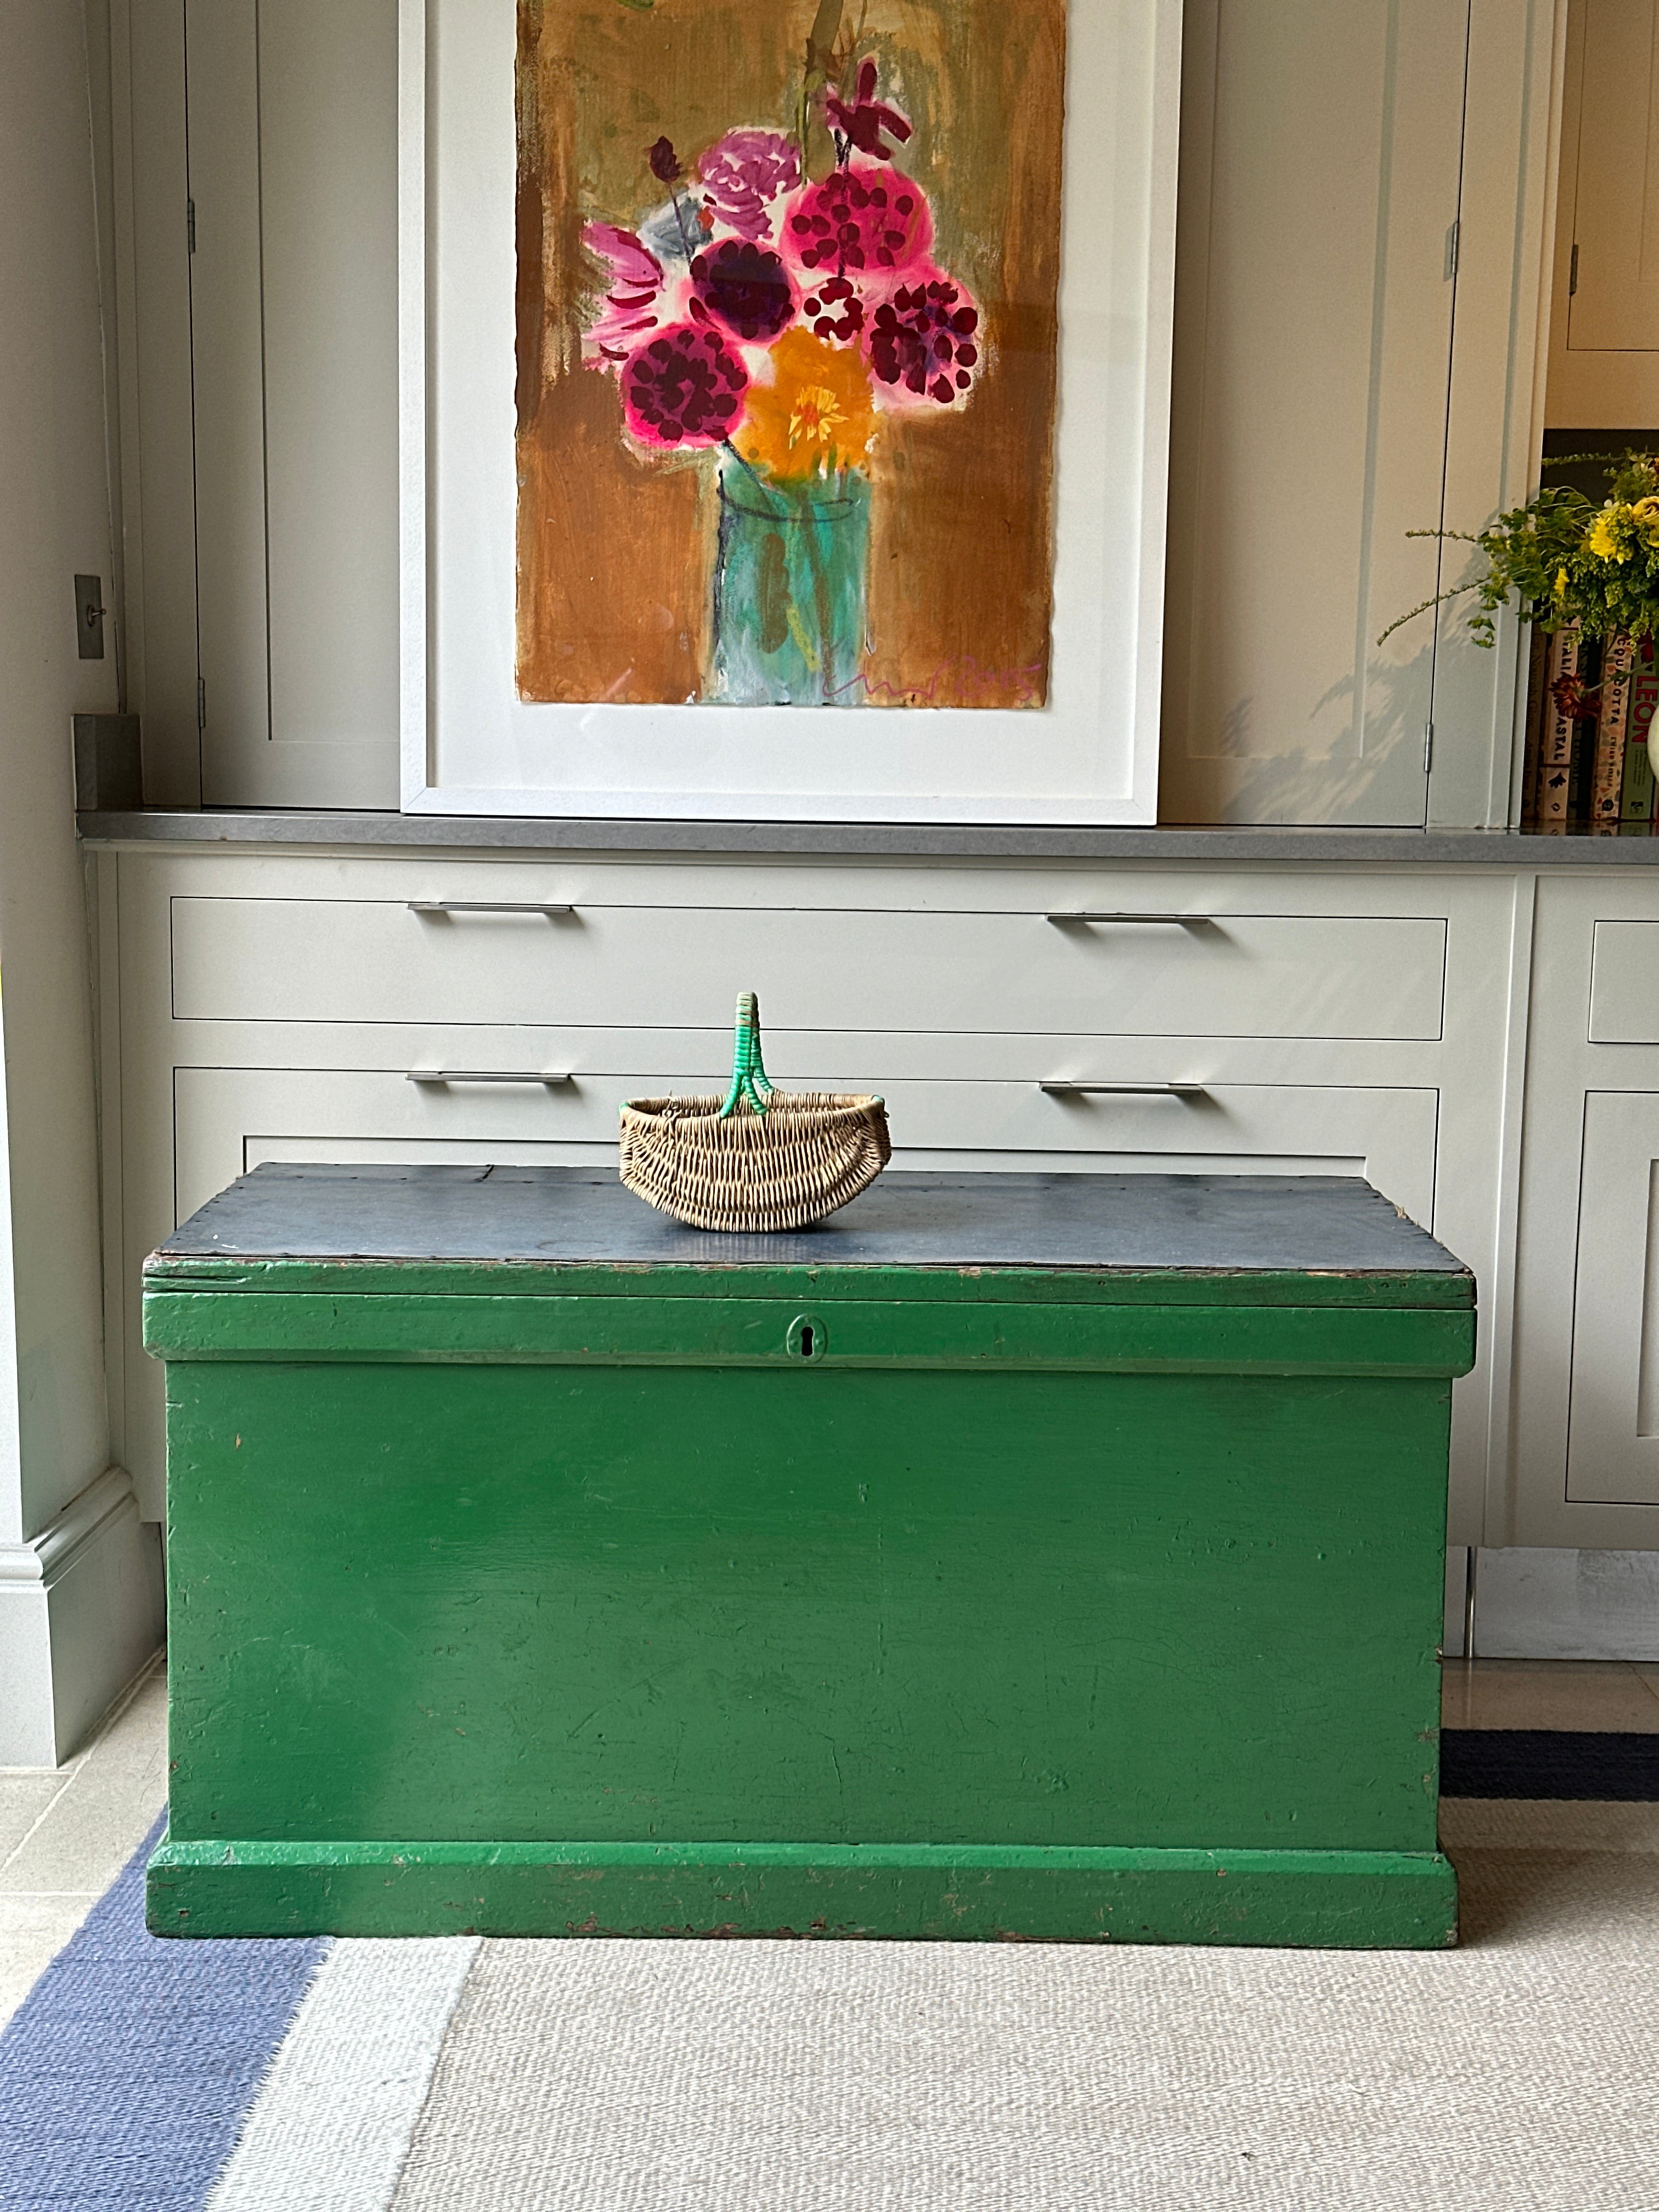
(757, 1159)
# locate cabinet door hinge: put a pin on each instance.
(1572, 274)
(1452, 236)
(201, 704)
(1428, 749)
(190, 225)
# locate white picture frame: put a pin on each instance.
(470, 746)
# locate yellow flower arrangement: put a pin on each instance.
(1601, 540)
(1620, 526)
(816, 416)
(1564, 560)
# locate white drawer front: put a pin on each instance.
(1625, 983)
(229, 1120)
(1232, 974)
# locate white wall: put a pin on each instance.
(54, 521)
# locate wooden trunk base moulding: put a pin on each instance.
(1012, 1556)
(965, 1893)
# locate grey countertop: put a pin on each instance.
(1329, 1225)
(896, 840)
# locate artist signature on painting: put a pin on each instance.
(961, 682)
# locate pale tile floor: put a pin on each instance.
(1549, 1694)
(65, 1833)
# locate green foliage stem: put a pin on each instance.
(1563, 560)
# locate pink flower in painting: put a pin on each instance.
(862, 123)
(860, 223)
(633, 294)
(742, 174)
(745, 286)
(923, 341)
(685, 386)
(834, 310)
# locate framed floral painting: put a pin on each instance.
(785, 390)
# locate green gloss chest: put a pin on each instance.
(1015, 1556)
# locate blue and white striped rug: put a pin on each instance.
(167, 2077)
(456, 2075)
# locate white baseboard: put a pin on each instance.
(1537, 1603)
(81, 1610)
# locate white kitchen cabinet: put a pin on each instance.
(1611, 168)
(1289, 1020)
(1604, 323)
(221, 1121)
(260, 354)
(1279, 704)
(229, 1120)
(1122, 969)
(1612, 1414)
(1624, 1000)
(1360, 246)
(1585, 1470)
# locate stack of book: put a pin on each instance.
(1589, 707)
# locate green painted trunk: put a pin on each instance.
(1041, 1602)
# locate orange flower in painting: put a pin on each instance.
(816, 415)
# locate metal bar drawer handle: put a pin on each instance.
(483, 1075)
(1168, 921)
(487, 906)
(1124, 1090)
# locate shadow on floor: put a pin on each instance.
(1596, 1900)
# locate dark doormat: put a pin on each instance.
(1549, 1763)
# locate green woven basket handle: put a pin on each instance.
(749, 1078)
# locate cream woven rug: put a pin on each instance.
(1517, 2074)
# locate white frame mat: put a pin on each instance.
(470, 746)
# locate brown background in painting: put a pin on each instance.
(615, 550)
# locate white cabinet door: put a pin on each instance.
(1585, 1431)
(292, 110)
(1614, 306)
(1612, 1447)
(1604, 303)
(1322, 148)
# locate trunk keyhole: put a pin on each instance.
(806, 1338)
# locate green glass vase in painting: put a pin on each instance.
(790, 578)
